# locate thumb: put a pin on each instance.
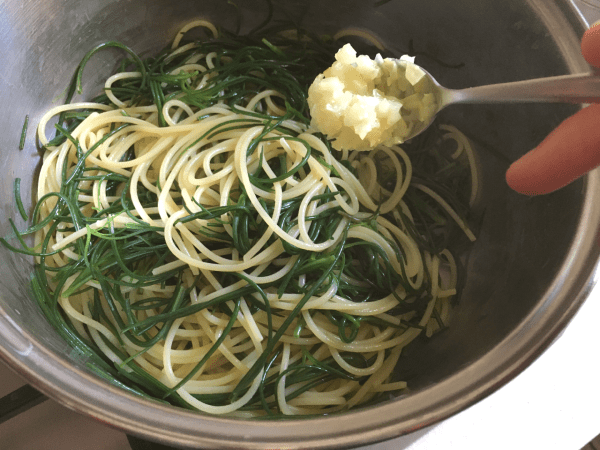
(590, 45)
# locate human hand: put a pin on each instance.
(571, 150)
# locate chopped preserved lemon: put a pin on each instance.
(360, 103)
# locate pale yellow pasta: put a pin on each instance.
(196, 162)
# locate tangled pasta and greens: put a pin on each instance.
(198, 242)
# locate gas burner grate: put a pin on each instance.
(26, 397)
(19, 401)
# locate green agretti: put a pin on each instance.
(125, 257)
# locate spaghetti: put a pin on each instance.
(201, 244)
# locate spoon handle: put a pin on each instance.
(578, 88)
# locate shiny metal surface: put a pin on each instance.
(574, 88)
(529, 271)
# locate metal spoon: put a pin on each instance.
(578, 88)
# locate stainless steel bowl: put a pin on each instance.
(529, 271)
